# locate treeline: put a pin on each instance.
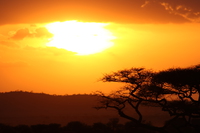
(42, 93)
(113, 126)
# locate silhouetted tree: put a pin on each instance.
(114, 125)
(77, 127)
(6, 129)
(100, 128)
(23, 129)
(39, 128)
(175, 90)
(54, 128)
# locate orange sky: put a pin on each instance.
(149, 33)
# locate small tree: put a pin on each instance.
(148, 88)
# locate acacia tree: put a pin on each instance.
(147, 88)
(185, 83)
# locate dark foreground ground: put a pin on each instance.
(26, 112)
(112, 126)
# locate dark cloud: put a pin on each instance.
(121, 11)
(39, 32)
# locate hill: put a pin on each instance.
(38, 108)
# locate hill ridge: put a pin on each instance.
(30, 108)
(18, 107)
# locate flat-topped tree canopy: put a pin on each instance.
(173, 90)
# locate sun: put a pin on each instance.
(84, 38)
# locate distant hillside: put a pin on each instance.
(38, 108)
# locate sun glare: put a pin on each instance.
(81, 37)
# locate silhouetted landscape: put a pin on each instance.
(29, 111)
(28, 108)
(164, 101)
(38, 108)
(99, 66)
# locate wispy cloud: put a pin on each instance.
(121, 11)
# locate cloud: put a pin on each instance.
(154, 12)
(21, 34)
(38, 32)
(120, 11)
(186, 9)
(43, 32)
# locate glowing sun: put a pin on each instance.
(81, 37)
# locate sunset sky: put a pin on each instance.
(65, 46)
